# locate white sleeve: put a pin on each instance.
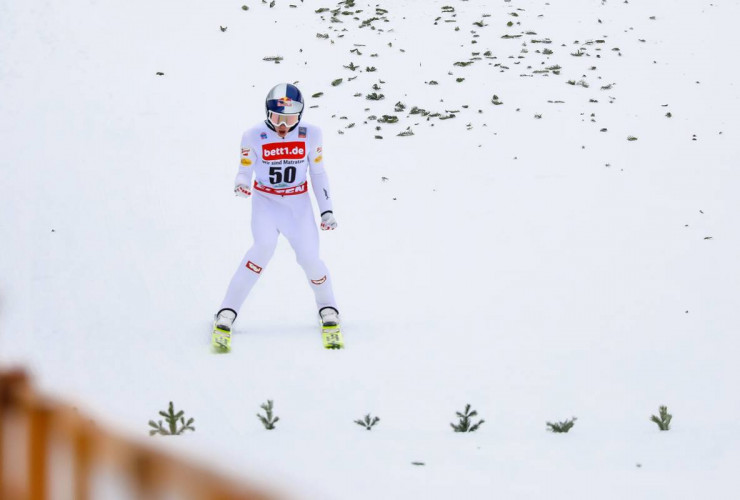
(246, 163)
(319, 177)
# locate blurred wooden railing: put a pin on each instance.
(49, 451)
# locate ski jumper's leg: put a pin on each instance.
(303, 236)
(265, 234)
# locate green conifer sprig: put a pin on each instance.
(465, 421)
(664, 420)
(368, 422)
(268, 420)
(563, 426)
(172, 419)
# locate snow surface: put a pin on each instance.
(536, 268)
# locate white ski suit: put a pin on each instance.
(281, 205)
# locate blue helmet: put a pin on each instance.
(284, 99)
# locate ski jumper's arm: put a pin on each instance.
(246, 164)
(319, 177)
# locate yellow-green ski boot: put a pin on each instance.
(221, 336)
(331, 332)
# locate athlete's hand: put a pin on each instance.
(243, 191)
(328, 222)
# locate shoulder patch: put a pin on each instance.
(263, 135)
(302, 132)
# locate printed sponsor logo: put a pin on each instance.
(318, 159)
(286, 102)
(284, 151)
(263, 135)
(246, 162)
(318, 281)
(302, 188)
(254, 267)
(302, 132)
(319, 149)
(246, 151)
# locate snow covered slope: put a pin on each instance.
(524, 257)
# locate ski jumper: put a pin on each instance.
(281, 205)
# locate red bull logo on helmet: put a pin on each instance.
(285, 102)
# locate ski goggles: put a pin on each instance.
(281, 118)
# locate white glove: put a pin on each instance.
(328, 222)
(243, 191)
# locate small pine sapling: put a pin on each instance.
(172, 420)
(268, 420)
(664, 420)
(563, 426)
(368, 422)
(465, 420)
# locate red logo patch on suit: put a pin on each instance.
(254, 267)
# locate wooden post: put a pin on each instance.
(38, 451)
(144, 473)
(82, 450)
(13, 384)
(3, 404)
